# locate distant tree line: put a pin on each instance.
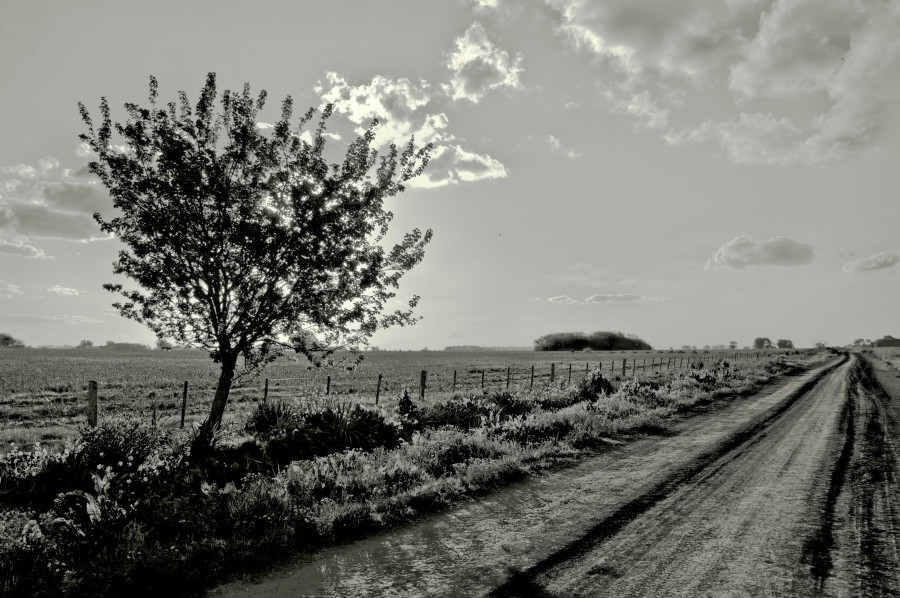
(595, 341)
(8, 340)
(762, 342)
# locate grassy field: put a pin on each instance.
(43, 391)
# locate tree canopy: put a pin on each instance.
(762, 342)
(8, 340)
(245, 241)
(595, 341)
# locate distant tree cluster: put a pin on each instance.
(762, 342)
(595, 341)
(7, 340)
(887, 341)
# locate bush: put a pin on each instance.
(592, 387)
(332, 430)
(269, 419)
(464, 413)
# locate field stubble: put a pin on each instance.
(43, 391)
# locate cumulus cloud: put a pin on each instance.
(613, 297)
(878, 261)
(660, 62)
(404, 109)
(564, 299)
(47, 202)
(65, 291)
(450, 164)
(8, 290)
(477, 66)
(744, 251)
(556, 146)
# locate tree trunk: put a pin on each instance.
(217, 409)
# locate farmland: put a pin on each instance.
(42, 391)
(305, 472)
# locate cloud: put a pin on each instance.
(743, 252)
(564, 299)
(405, 109)
(601, 298)
(60, 318)
(8, 290)
(556, 146)
(262, 126)
(613, 298)
(477, 66)
(65, 291)
(20, 249)
(800, 82)
(451, 164)
(47, 202)
(878, 261)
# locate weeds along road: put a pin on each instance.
(790, 492)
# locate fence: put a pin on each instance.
(471, 379)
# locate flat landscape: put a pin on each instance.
(51, 406)
(789, 492)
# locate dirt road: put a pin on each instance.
(791, 492)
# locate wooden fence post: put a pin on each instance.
(266, 391)
(531, 384)
(328, 385)
(378, 389)
(482, 379)
(507, 377)
(454, 380)
(153, 418)
(552, 372)
(569, 382)
(92, 403)
(422, 377)
(624, 361)
(587, 369)
(184, 401)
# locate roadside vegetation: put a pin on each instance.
(129, 508)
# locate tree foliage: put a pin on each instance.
(596, 341)
(762, 342)
(247, 242)
(8, 340)
(784, 343)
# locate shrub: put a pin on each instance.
(592, 387)
(437, 451)
(463, 413)
(319, 433)
(268, 419)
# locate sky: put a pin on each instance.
(690, 172)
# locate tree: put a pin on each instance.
(85, 344)
(245, 242)
(762, 343)
(7, 340)
(785, 344)
(733, 345)
(164, 345)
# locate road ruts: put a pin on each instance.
(807, 505)
(470, 549)
(864, 530)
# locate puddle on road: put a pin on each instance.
(466, 551)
